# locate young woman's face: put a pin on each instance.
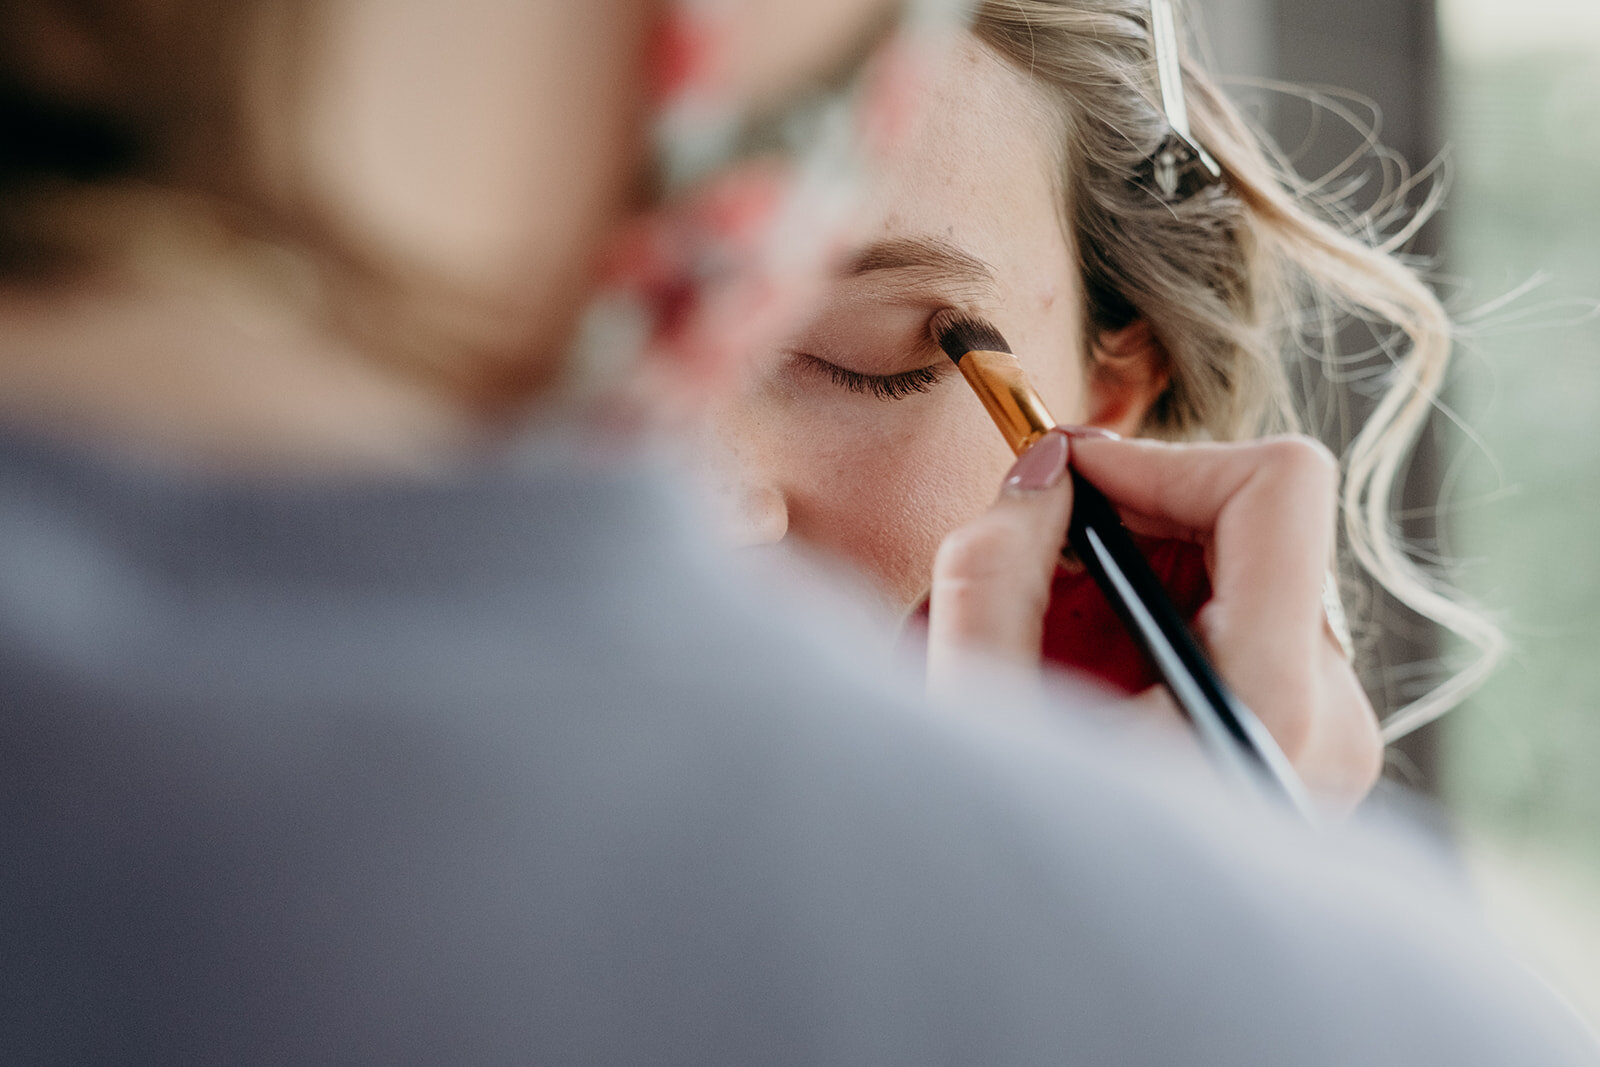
(859, 437)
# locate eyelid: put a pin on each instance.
(883, 386)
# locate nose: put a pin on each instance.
(749, 497)
(759, 514)
(742, 471)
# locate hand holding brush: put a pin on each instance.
(1263, 510)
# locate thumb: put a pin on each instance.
(992, 576)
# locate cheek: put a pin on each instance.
(1045, 331)
(882, 489)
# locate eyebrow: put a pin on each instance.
(927, 266)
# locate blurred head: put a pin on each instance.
(440, 183)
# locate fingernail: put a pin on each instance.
(1089, 431)
(1042, 466)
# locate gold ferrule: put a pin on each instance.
(998, 380)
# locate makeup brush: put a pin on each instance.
(1231, 733)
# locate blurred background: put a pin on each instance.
(1507, 95)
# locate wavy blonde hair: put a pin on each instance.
(1245, 285)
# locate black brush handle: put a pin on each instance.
(1231, 731)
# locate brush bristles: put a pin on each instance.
(959, 333)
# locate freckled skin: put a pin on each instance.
(876, 482)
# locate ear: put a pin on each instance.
(1128, 374)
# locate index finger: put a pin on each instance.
(1267, 508)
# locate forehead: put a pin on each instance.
(977, 170)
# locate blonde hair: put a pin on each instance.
(1233, 280)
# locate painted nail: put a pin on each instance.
(1042, 466)
(1089, 431)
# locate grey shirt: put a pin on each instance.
(508, 771)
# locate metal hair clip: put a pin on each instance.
(1180, 168)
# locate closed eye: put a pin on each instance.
(882, 386)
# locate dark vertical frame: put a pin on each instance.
(1388, 52)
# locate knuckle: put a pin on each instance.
(1300, 465)
(1304, 458)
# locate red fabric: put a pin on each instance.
(1082, 631)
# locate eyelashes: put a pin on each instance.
(884, 386)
